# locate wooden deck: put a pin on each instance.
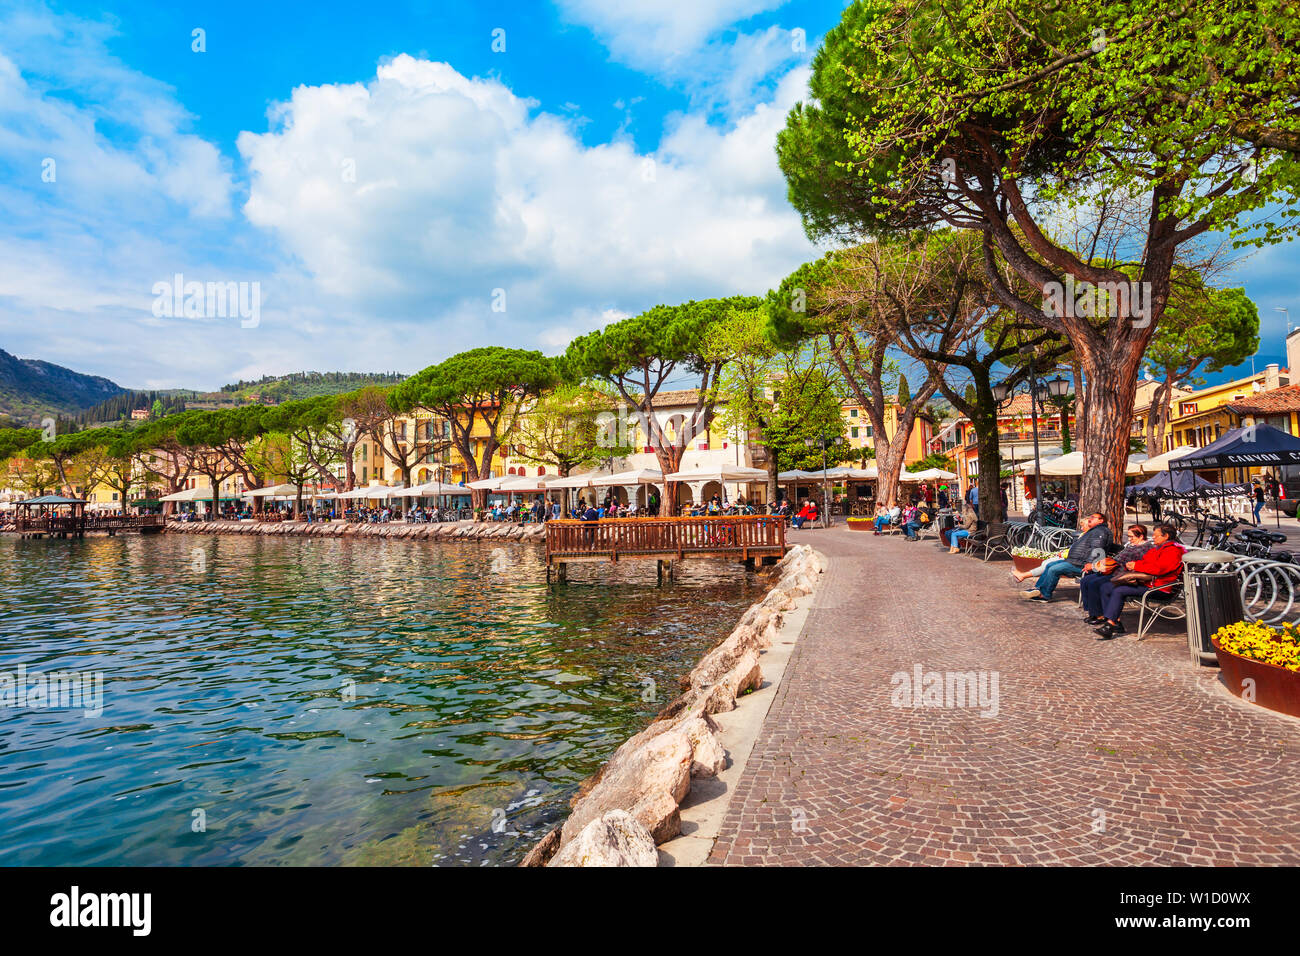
(736, 538)
(66, 526)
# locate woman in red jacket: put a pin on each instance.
(807, 513)
(1164, 561)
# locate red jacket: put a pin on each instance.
(1165, 561)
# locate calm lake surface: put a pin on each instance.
(312, 701)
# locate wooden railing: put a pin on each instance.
(741, 536)
(61, 524)
(124, 522)
(66, 524)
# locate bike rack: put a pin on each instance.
(1265, 585)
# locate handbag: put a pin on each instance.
(1134, 577)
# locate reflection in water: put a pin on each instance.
(308, 700)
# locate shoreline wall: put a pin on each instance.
(632, 804)
(461, 530)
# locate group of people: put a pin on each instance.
(918, 514)
(807, 514)
(1147, 561)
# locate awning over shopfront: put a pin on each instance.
(189, 494)
(727, 473)
(1252, 446)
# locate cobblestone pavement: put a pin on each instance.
(1100, 752)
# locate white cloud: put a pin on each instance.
(698, 46)
(461, 188)
(91, 219)
(655, 34)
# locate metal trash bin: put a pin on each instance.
(1213, 600)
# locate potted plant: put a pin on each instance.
(1026, 559)
(1261, 664)
(861, 524)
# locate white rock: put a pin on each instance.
(615, 838)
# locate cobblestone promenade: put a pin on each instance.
(1100, 752)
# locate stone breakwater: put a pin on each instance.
(632, 804)
(460, 530)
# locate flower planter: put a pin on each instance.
(1275, 688)
(861, 525)
(1025, 564)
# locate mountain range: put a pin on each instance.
(31, 389)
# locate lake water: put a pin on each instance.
(312, 701)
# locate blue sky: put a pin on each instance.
(387, 178)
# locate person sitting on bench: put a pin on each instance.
(920, 519)
(887, 516)
(969, 522)
(1154, 571)
(1092, 542)
(1097, 573)
(807, 513)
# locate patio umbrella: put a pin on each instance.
(273, 491)
(1161, 462)
(1072, 465)
(189, 494)
(637, 476)
(525, 485)
(932, 474)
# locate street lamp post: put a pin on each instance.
(1038, 391)
(826, 492)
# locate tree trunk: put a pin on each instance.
(1112, 383)
(990, 480)
(1081, 397)
(984, 419)
(670, 462)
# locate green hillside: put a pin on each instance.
(274, 389)
(31, 390)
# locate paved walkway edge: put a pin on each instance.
(705, 807)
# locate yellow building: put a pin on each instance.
(1143, 408)
(1200, 417)
(424, 440)
(858, 430)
